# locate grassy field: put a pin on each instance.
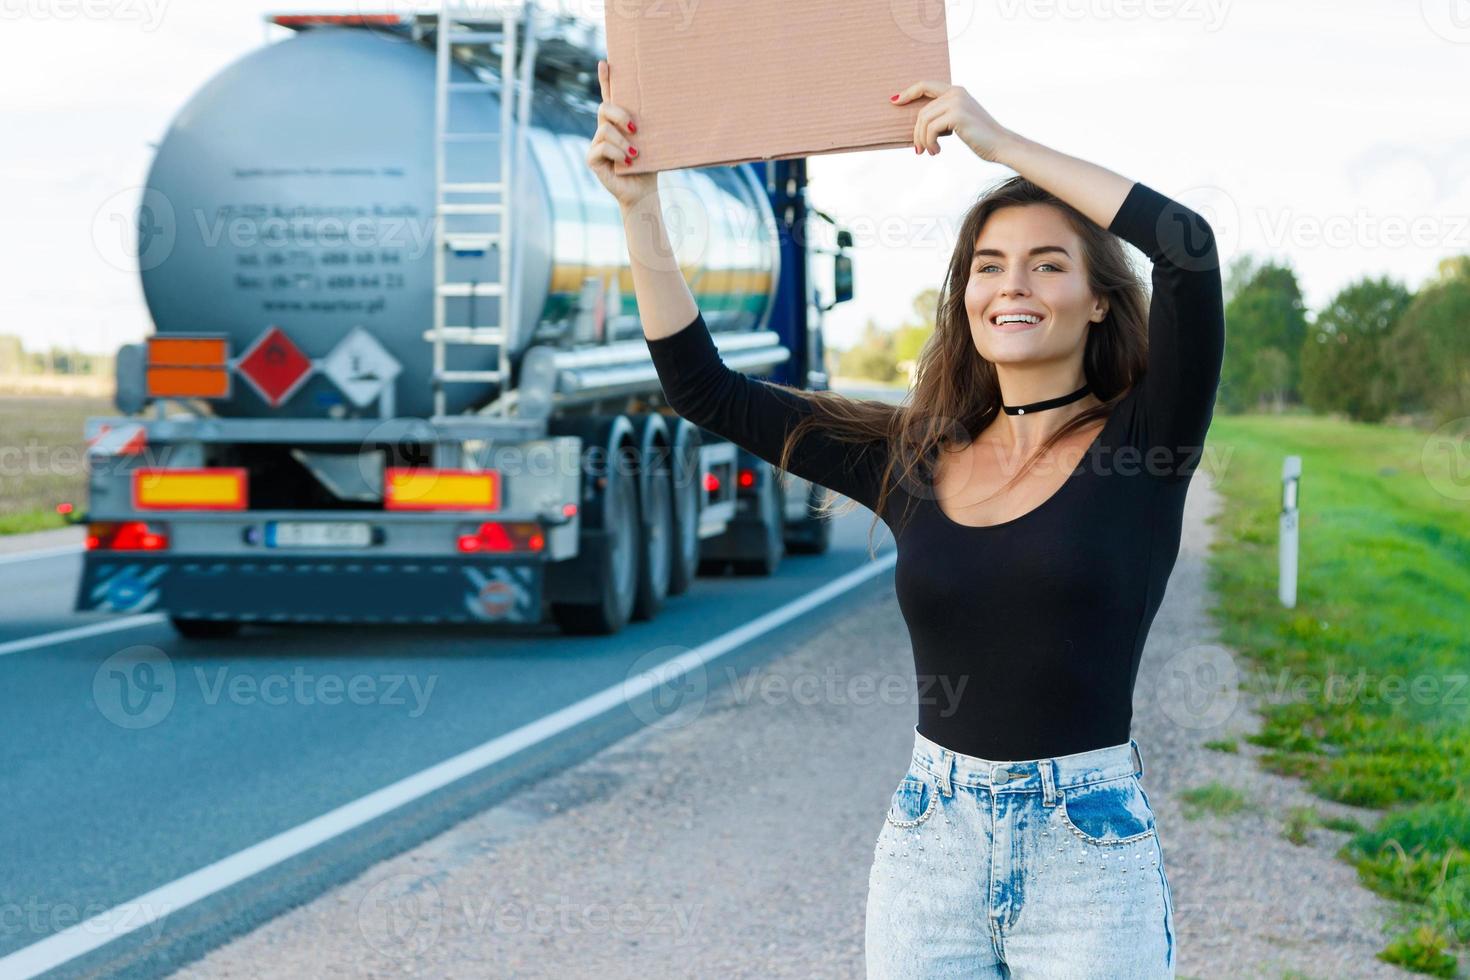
(42, 458)
(1367, 681)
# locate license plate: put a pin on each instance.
(318, 534)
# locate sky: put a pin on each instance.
(1331, 136)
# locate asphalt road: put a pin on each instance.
(160, 795)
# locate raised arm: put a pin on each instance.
(1186, 324)
(697, 383)
(1186, 319)
(756, 414)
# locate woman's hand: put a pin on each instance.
(611, 143)
(953, 110)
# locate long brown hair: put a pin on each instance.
(956, 393)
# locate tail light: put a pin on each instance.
(495, 536)
(746, 479)
(126, 536)
(711, 483)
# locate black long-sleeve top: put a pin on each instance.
(1038, 623)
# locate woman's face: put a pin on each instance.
(1028, 259)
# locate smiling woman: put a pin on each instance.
(1032, 600)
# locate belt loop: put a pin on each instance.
(1048, 784)
(943, 767)
(1138, 756)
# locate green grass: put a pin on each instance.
(1215, 799)
(1364, 684)
(1223, 745)
(42, 458)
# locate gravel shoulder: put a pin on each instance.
(735, 838)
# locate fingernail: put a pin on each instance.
(917, 150)
(633, 151)
(627, 159)
(893, 98)
(632, 127)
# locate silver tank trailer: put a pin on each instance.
(296, 189)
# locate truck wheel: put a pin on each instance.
(688, 497)
(656, 539)
(814, 534)
(620, 559)
(773, 532)
(204, 629)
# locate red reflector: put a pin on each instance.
(747, 478)
(125, 536)
(497, 536)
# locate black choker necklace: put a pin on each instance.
(1049, 403)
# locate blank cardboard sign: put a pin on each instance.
(716, 82)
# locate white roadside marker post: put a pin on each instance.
(1291, 472)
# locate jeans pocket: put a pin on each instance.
(1113, 811)
(913, 801)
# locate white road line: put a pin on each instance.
(77, 632)
(75, 549)
(122, 919)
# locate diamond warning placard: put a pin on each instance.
(274, 366)
(361, 367)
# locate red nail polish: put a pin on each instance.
(893, 98)
(632, 127)
(633, 151)
(627, 159)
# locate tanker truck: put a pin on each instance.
(396, 373)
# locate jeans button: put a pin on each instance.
(1003, 776)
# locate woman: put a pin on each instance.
(1020, 841)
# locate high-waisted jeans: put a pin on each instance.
(1047, 868)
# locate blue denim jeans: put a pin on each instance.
(1047, 868)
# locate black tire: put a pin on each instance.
(773, 527)
(814, 535)
(619, 573)
(688, 498)
(656, 537)
(204, 629)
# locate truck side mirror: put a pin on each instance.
(842, 278)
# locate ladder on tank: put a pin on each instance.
(459, 30)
